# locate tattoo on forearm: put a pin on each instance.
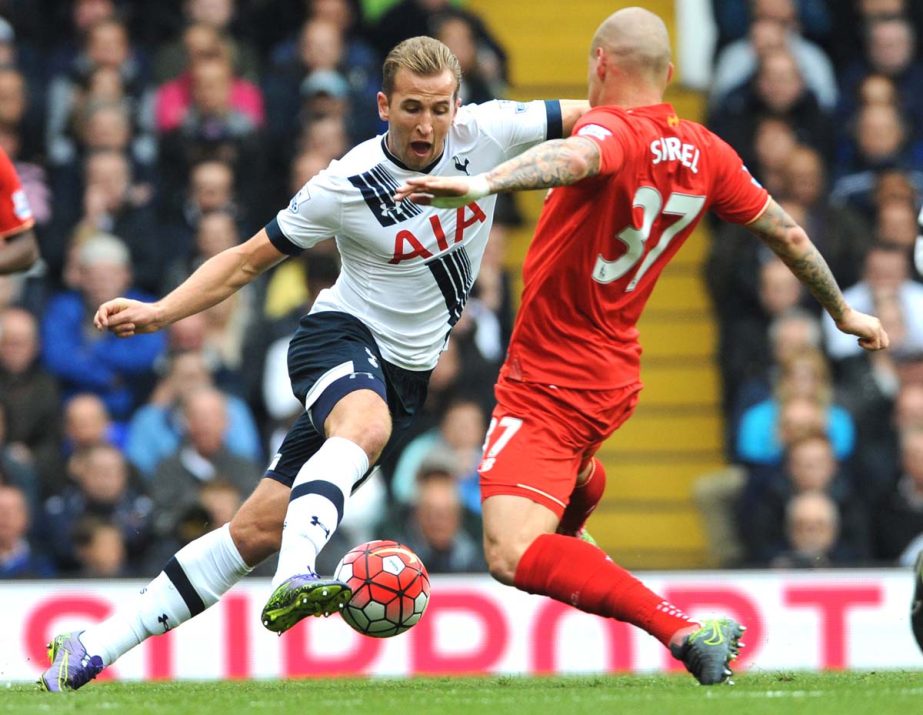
(554, 163)
(807, 263)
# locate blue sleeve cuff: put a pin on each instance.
(279, 239)
(555, 121)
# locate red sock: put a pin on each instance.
(581, 575)
(583, 500)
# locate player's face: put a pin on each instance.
(419, 113)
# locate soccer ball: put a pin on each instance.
(390, 588)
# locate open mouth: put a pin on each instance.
(420, 148)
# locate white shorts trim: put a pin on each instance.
(326, 380)
(544, 494)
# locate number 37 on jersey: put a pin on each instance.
(684, 207)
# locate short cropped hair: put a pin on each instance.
(424, 56)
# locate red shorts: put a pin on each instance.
(541, 436)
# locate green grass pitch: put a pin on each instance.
(753, 694)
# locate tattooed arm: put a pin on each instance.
(790, 242)
(558, 162)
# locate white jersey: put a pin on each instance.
(408, 269)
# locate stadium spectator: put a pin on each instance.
(209, 187)
(15, 469)
(777, 91)
(219, 16)
(157, 428)
(200, 458)
(106, 45)
(173, 99)
(890, 50)
(732, 17)
(317, 81)
(21, 120)
(744, 353)
(537, 455)
(213, 128)
(841, 234)
(773, 26)
(84, 361)
(101, 488)
(434, 526)
(459, 438)
(409, 18)
(114, 203)
(67, 31)
(898, 518)
(810, 467)
(100, 549)
(28, 396)
(215, 231)
(457, 31)
(18, 557)
(883, 140)
(761, 438)
(812, 527)
(885, 272)
(87, 424)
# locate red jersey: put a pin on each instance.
(15, 214)
(601, 243)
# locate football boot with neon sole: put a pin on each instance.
(71, 666)
(707, 653)
(303, 595)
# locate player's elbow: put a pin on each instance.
(578, 166)
(795, 242)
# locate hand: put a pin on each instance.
(866, 327)
(126, 317)
(444, 192)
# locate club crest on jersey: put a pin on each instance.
(462, 166)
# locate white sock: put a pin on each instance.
(195, 578)
(319, 496)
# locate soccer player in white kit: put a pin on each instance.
(360, 360)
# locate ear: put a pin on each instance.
(383, 107)
(671, 70)
(600, 64)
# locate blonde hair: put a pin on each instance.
(423, 56)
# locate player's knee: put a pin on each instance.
(254, 540)
(374, 437)
(502, 558)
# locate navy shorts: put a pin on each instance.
(331, 355)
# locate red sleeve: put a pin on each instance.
(15, 214)
(607, 131)
(739, 198)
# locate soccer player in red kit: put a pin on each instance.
(634, 181)
(18, 247)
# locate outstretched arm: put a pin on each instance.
(553, 163)
(18, 252)
(790, 242)
(216, 279)
(571, 111)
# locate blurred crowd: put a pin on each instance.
(149, 136)
(823, 101)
